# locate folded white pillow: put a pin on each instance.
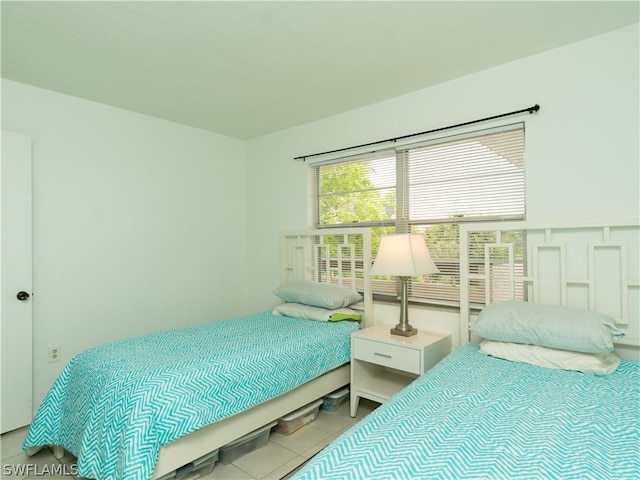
(592, 363)
(308, 312)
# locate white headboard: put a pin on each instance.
(341, 256)
(588, 264)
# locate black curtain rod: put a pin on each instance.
(535, 108)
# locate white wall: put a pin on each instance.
(132, 227)
(582, 146)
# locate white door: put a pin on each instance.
(15, 281)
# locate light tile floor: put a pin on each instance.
(282, 455)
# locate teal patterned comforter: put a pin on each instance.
(478, 417)
(115, 405)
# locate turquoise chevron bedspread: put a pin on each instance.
(115, 405)
(478, 417)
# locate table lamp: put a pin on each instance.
(405, 256)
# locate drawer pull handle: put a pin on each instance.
(382, 355)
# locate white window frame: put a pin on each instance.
(432, 291)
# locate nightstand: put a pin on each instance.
(383, 364)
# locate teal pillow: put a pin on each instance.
(317, 294)
(547, 326)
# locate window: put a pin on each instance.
(428, 188)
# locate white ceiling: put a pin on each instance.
(245, 69)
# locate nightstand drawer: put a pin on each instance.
(388, 355)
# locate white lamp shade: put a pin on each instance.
(403, 255)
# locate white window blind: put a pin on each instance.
(476, 177)
(428, 188)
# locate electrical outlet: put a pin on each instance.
(54, 354)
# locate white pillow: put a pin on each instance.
(308, 312)
(592, 363)
(547, 326)
(359, 306)
(317, 294)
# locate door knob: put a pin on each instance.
(22, 296)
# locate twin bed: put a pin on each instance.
(474, 415)
(146, 407)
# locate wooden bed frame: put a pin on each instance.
(560, 263)
(338, 256)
